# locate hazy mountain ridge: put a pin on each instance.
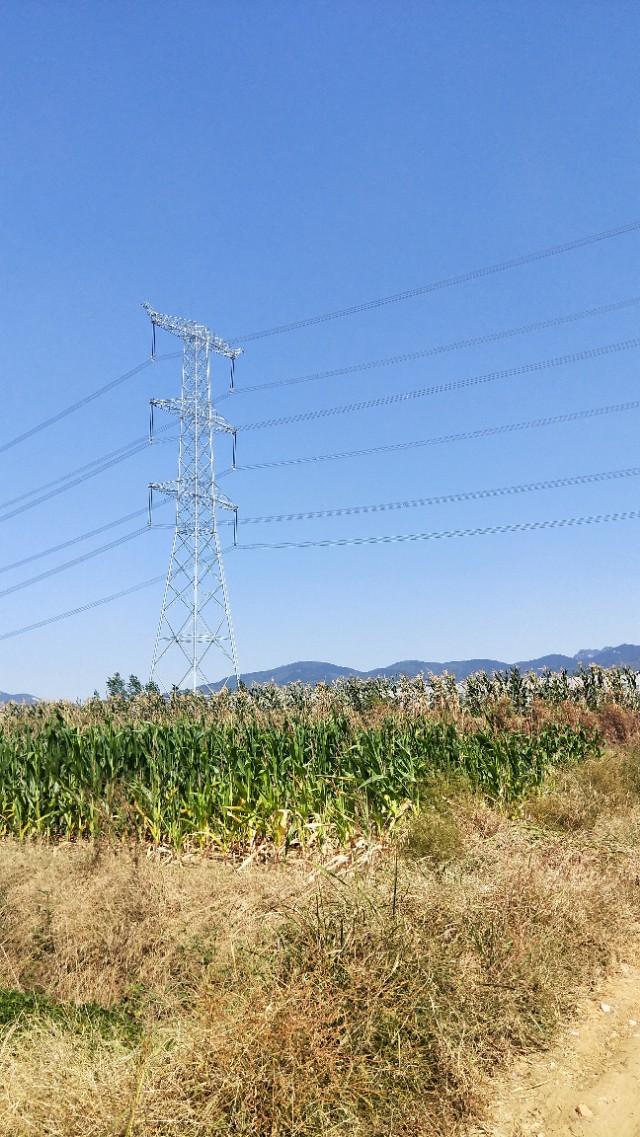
(316, 671)
(313, 671)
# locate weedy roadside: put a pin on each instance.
(349, 996)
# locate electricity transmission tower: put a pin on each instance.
(196, 614)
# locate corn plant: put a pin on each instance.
(226, 772)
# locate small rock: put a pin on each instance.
(583, 1111)
(633, 1022)
(606, 1009)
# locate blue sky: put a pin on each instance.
(246, 164)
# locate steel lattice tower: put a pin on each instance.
(196, 614)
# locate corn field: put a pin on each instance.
(289, 766)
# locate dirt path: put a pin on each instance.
(589, 1084)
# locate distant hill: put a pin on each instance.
(313, 671)
(624, 655)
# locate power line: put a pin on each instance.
(69, 410)
(83, 608)
(525, 526)
(443, 388)
(72, 541)
(440, 349)
(341, 511)
(74, 562)
(395, 298)
(81, 537)
(72, 407)
(112, 458)
(76, 477)
(88, 466)
(353, 510)
(445, 534)
(437, 535)
(447, 282)
(462, 436)
(443, 499)
(69, 481)
(87, 607)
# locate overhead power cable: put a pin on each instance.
(74, 562)
(439, 349)
(442, 499)
(438, 440)
(83, 402)
(69, 410)
(75, 477)
(349, 511)
(72, 541)
(80, 537)
(87, 607)
(86, 468)
(404, 538)
(68, 482)
(470, 495)
(339, 313)
(445, 534)
(443, 388)
(446, 282)
(82, 608)
(352, 310)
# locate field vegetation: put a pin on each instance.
(293, 766)
(298, 913)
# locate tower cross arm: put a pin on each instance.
(190, 330)
(176, 488)
(225, 502)
(217, 422)
(180, 406)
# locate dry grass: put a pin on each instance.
(597, 791)
(362, 999)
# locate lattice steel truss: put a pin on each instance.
(196, 614)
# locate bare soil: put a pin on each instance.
(588, 1083)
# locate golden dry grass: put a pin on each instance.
(373, 996)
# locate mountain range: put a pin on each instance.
(313, 671)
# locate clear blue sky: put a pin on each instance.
(246, 164)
